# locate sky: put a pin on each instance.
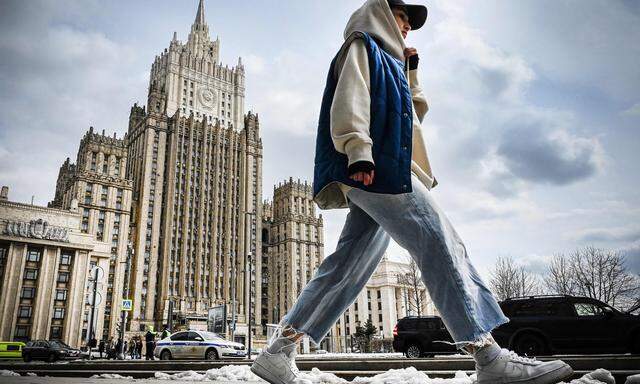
(533, 130)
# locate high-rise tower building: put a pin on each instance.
(96, 183)
(294, 243)
(195, 159)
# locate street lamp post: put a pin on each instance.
(248, 279)
(123, 319)
(233, 297)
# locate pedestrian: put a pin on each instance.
(371, 158)
(165, 333)
(101, 347)
(138, 348)
(132, 348)
(125, 348)
(149, 337)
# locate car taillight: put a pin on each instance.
(395, 330)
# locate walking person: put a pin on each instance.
(101, 347)
(371, 158)
(150, 338)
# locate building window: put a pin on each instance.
(94, 158)
(56, 333)
(28, 293)
(30, 274)
(85, 220)
(58, 313)
(34, 255)
(22, 331)
(63, 277)
(61, 294)
(24, 312)
(65, 258)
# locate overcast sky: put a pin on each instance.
(533, 130)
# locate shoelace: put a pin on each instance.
(515, 357)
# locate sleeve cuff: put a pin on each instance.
(359, 151)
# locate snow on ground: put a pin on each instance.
(111, 376)
(6, 373)
(242, 374)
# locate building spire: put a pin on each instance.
(200, 14)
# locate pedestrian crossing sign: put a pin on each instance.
(127, 304)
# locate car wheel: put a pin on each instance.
(413, 351)
(52, 357)
(211, 354)
(530, 345)
(26, 357)
(165, 355)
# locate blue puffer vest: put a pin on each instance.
(390, 129)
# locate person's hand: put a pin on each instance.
(364, 177)
(362, 171)
(411, 54)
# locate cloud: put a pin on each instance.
(634, 110)
(532, 152)
(617, 234)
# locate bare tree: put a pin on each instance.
(559, 278)
(511, 280)
(597, 273)
(415, 290)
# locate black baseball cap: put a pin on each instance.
(417, 13)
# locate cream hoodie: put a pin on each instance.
(350, 110)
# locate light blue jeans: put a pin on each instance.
(415, 222)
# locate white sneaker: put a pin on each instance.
(509, 368)
(277, 366)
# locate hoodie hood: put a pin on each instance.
(375, 18)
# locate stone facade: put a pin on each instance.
(97, 187)
(45, 260)
(293, 247)
(196, 166)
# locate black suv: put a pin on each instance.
(539, 325)
(49, 351)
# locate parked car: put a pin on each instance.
(48, 350)
(194, 344)
(539, 325)
(11, 350)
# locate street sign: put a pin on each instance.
(127, 304)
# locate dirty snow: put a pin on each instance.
(6, 373)
(242, 373)
(111, 376)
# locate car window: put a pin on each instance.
(536, 308)
(211, 336)
(179, 336)
(587, 309)
(193, 336)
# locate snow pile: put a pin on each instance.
(412, 376)
(31, 374)
(316, 376)
(599, 376)
(635, 379)
(5, 373)
(111, 376)
(226, 373)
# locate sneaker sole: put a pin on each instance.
(265, 374)
(551, 377)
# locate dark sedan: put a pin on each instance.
(49, 351)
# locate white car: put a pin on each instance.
(194, 344)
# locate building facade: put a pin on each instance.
(293, 243)
(195, 159)
(45, 259)
(97, 184)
